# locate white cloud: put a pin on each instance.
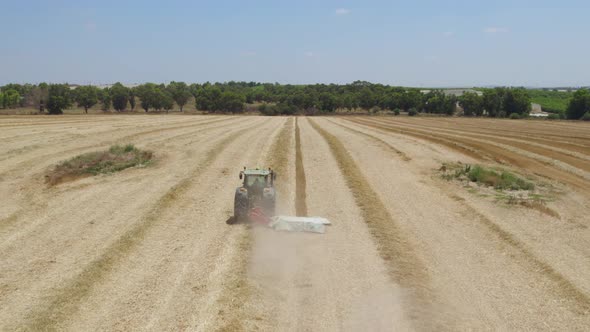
(342, 11)
(493, 30)
(248, 53)
(449, 33)
(308, 54)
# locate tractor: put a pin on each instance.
(256, 195)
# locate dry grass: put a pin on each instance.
(116, 159)
(66, 299)
(540, 206)
(300, 184)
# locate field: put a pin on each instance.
(148, 248)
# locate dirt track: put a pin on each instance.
(149, 248)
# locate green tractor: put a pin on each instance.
(256, 193)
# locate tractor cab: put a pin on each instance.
(257, 179)
(257, 192)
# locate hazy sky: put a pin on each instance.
(412, 43)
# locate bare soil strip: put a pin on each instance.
(300, 204)
(66, 299)
(404, 266)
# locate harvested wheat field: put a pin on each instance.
(415, 243)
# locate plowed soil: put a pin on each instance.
(151, 248)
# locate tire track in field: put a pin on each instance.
(67, 298)
(386, 146)
(239, 292)
(577, 300)
(300, 184)
(464, 149)
(403, 264)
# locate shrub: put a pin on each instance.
(375, 110)
(586, 116)
(514, 116)
(117, 158)
(412, 112)
(396, 111)
(553, 116)
(503, 180)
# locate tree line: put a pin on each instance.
(278, 99)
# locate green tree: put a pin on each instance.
(327, 102)
(11, 98)
(119, 96)
(579, 104)
(154, 96)
(472, 104)
(86, 96)
(104, 96)
(147, 95)
(492, 101)
(180, 93)
(132, 98)
(439, 103)
(516, 101)
(208, 98)
(412, 99)
(231, 102)
(1, 99)
(162, 99)
(59, 98)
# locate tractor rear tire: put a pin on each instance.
(240, 208)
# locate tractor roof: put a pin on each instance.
(256, 172)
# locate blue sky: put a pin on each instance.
(412, 43)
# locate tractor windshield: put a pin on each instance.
(255, 181)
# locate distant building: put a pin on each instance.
(455, 92)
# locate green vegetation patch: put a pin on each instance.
(550, 100)
(503, 186)
(115, 159)
(498, 179)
